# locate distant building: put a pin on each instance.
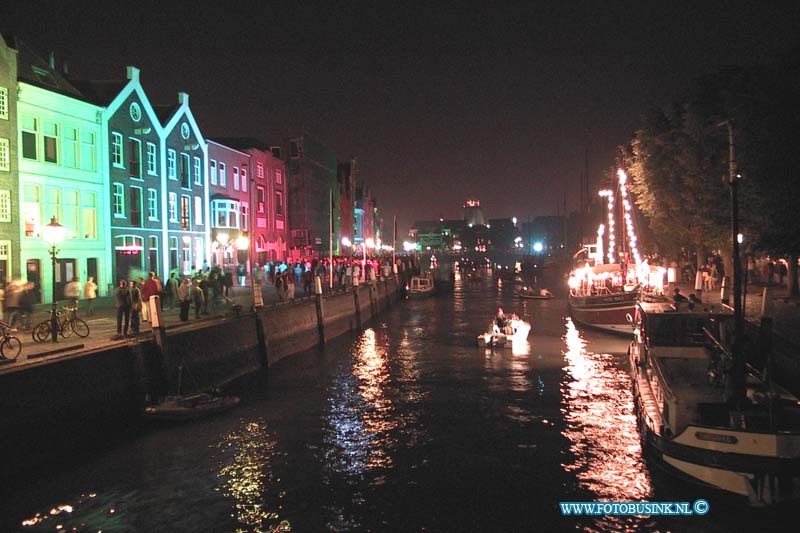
(473, 214)
(61, 155)
(544, 231)
(346, 178)
(312, 170)
(503, 234)
(366, 225)
(10, 227)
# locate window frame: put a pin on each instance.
(152, 204)
(5, 154)
(135, 158)
(186, 212)
(198, 175)
(5, 205)
(118, 200)
(152, 159)
(172, 206)
(172, 161)
(117, 150)
(212, 171)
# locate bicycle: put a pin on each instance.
(67, 323)
(10, 346)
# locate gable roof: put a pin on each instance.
(34, 70)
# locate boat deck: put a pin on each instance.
(688, 380)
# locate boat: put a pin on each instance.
(494, 338)
(689, 424)
(421, 285)
(190, 407)
(600, 298)
(533, 294)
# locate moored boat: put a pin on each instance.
(421, 285)
(190, 407)
(600, 298)
(680, 368)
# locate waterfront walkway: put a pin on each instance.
(103, 325)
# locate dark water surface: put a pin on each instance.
(405, 427)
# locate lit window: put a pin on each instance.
(186, 212)
(222, 177)
(151, 159)
(173, 207)
(116, 150)
(89, 208)
(30, 129)
(212, 164)
(235, 178)
(278, 176)
(244, 180)
(198, 176)
(152, 204)
(4, 157)
(171, 165)
(261, 200)
(225, 214)
(88, 151)
(135, 162)
(198, 210)
(245, 217)
(4, 103)
(260, 170)
(5, 206)
(119, 200)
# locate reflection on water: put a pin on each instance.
(246, 477)
(600, 424)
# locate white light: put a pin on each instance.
(345, 241)
(538, 247)
(740, 238)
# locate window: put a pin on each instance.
(186, 212)
(5, 206)
(72, 213)
(186, 254)
(51, 142)
(245, 217)
(222, 177)
(212, 166)
(119, 200)
(261, 199)
(173, 253)
(5, 163)
(279, 203)
(135, 162)
(185, 177)
(244, 179)
(260, 171)
(152, 204)
(116, 150)
(171, 164)
(31, 207)
(235, 178)
(30, 128)
(89, 215)
(198, 210)
(152, 169)
(88, 151)
(225, 214)
(198, 176)
(278, 176)
(173, 207)
(52, 202)
(69, 147)
(136, 206)
(4, 103)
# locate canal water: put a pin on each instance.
(407, 426)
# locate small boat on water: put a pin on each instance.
(517, 331)
(421, 285)
(190, 407)
(689, 423)
(534, 294)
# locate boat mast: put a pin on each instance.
(735, 392)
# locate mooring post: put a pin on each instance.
(318, 304)
(356, 300)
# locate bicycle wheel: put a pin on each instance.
(64, 328)
(41, 332)
(10, 347)
(80, 327)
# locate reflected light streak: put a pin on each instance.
(248, 479)
(597, 406)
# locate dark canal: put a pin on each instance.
(407, 427)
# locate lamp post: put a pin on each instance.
(53, 234)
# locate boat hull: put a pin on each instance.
(733, 461)
(604, 312)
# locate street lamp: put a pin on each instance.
(53, 234)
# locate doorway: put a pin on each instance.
(33, 270)
(65, 272)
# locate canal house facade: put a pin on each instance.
(9, 166)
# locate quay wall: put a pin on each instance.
(66, 405)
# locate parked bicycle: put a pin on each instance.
(10, 346)
(67, 324)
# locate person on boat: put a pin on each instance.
(679, 298)
(544, 292)
(500, 319)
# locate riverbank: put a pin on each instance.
(57, 404)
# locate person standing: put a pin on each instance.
(197, 297)
(122, 301)
(90, 293)
(148, 289)
(136, 307)
(184, 293)
(171, 290)
(241, 272)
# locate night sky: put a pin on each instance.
(438, 103)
